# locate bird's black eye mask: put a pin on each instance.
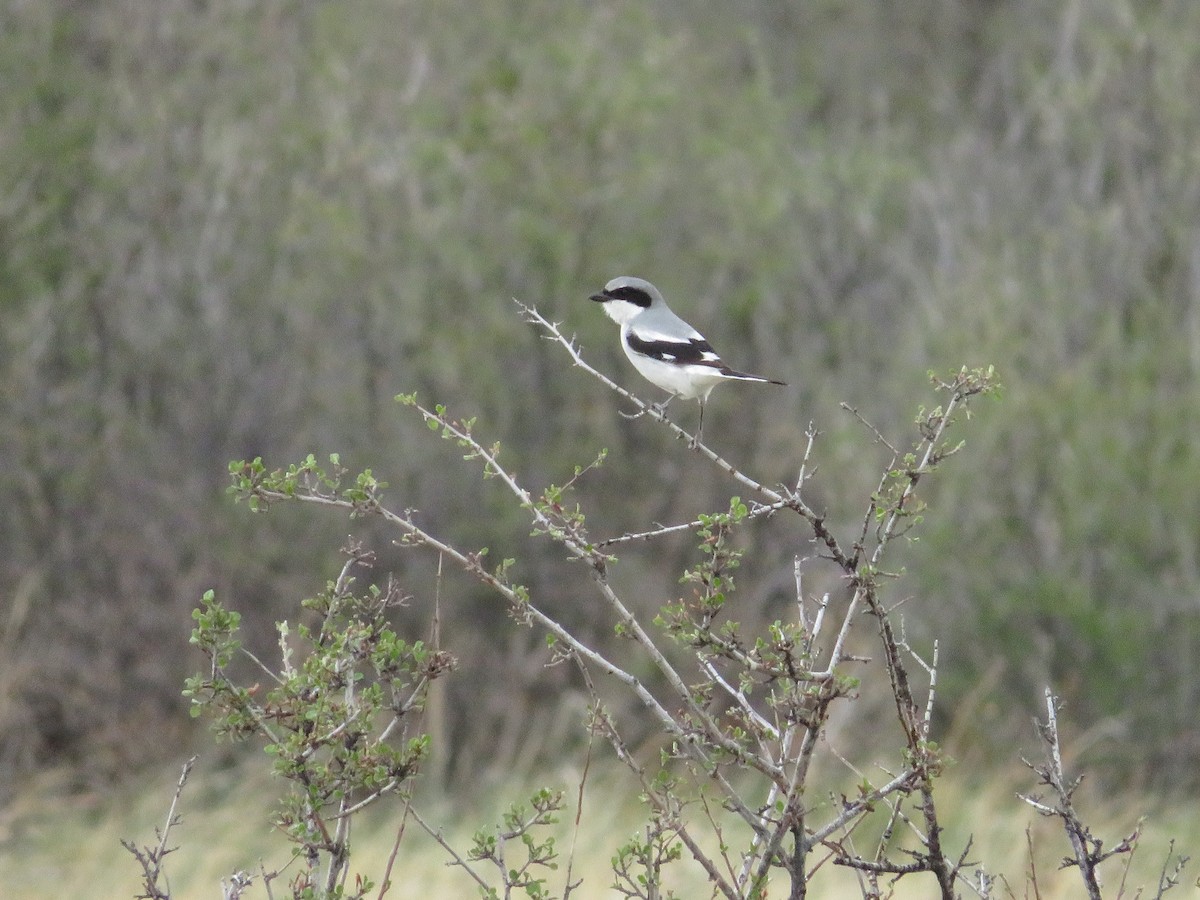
(634, 295)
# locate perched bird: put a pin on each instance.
(668, 351)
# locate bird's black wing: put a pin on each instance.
(696, 351)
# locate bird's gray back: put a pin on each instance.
(658, 322)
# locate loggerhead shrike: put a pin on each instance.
(668, 351)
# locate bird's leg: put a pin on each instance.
(700, 428)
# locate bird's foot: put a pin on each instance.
(657, 408)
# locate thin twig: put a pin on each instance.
(445, 845)
(385, 883)
(879, 438)
(1053, 776)
(583, 779)
(754, 512)
(151, 858)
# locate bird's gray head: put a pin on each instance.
(625, 296)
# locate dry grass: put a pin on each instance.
(56, 845)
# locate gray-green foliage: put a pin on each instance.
(229, 230)
(341, 717)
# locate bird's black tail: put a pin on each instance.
(746, 376)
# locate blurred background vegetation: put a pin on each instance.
(238, 229)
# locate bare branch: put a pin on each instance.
(879, 438)
(437, 835)
(155, 884)
(1087, 850)
(754, 512)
